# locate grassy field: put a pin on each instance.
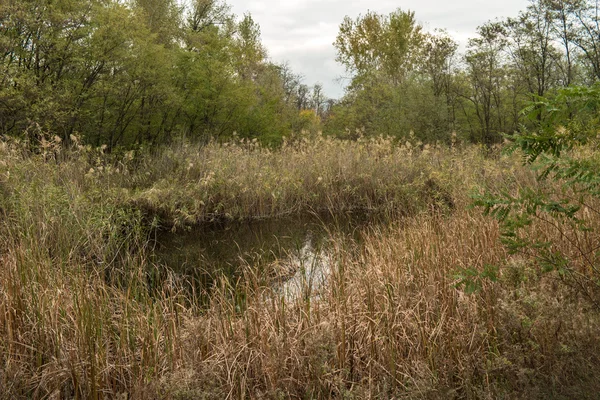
(82, 314)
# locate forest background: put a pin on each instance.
(131, 73)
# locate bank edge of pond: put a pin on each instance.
(430, 196)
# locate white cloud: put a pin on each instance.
(302, 31)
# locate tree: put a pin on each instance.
(379, 44)
(564, 28)
(41, 58)
(248, 51)
(318, 100)
(123, 73)
(302, 100)
(586, 35)
(439, 67)
(162, 17)
(487, 74)
(388, 94)
(204, 14)
(290, 81)
(530, 44)
(61, 57)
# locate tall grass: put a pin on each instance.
(76, 317)
(188, 184)
(83, 316)
(391, 324)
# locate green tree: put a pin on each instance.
(43, 61)
(488, 75)
(400, 78)
(132, 90)
(581, 17)
(163, 19)
(531, 46)
(439, 66)
(563, 26)
(384, 44)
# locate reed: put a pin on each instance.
(84, 312)
(190, 184)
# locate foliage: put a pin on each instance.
(376, 42)
(403, 79)
(568, 207)
(140, 72)
(400, 81)
(471, 280)
(563, 122)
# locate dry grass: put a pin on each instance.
(83, 316)
(189, 184)
(391, 324)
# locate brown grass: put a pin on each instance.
(189, 184)
(80, 318)
(391, 324)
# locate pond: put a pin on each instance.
(295, 250)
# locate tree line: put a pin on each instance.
(132, 72)
(404, 79)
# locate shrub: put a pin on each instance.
(554, 222)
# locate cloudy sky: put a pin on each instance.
(302, 31)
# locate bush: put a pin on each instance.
(554, 222)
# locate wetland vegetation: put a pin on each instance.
(90, 306)
(181, 218)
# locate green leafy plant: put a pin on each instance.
(471, 280)
(554, 222)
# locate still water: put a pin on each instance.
(296, 251)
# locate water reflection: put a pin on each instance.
(296, 250)
(307, 270)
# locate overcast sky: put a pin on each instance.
(302, 31)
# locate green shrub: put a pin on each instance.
(555, 221)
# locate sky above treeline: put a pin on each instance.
(302, 32)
